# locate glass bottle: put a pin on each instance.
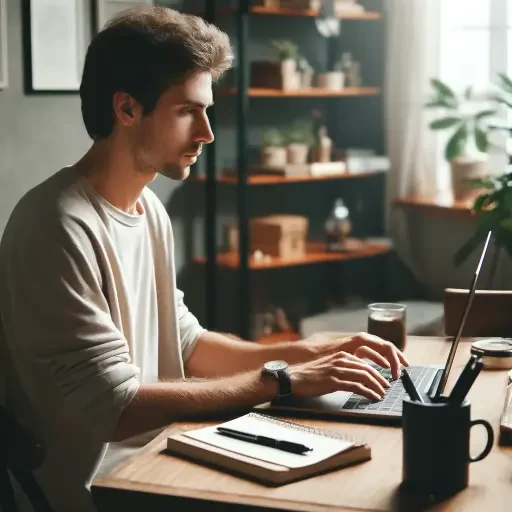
(337, 226)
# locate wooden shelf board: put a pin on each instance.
(277, 337)
(262, 10)
(273, 179)
(316, 253)
(284, 11)
(313, 92)
(441, 207)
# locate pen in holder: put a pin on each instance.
(435, 457)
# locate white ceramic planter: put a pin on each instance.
(290, 75)
(332, 80)
(297, 154)
(273, 156)
(462, 170)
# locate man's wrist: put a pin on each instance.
(269, 385)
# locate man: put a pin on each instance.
(98, 342)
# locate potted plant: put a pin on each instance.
(273, 150)
(306, 72)
(494, 205)
(287, 54)
(494, 210)
(299, 138)
(467, 146)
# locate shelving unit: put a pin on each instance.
(243, 178)
(262, 10)
(230, 178)
(283, 11)
(316, 252)
(315, 92)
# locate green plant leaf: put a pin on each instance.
(506, 82)
(445, 122)
(442, 88)
(439, 102)
(506, 224)
(456, 142)
(480, 202)
(504, 101)
(485, 113)
(481, 140)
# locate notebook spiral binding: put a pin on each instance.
(305, 428)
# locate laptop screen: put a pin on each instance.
(455, 343)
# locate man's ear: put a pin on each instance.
(125, 107)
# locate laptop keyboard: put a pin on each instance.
(392, 401)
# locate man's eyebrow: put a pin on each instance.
(197, 103)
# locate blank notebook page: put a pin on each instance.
(322, 446)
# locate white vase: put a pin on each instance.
(273, 156)
(332, 80)
(290, 77)
(463, 169)
(297, 153)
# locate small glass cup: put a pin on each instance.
(388, 321)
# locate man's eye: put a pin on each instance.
(188, 111)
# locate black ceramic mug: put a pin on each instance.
(435, 448)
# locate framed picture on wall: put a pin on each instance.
(105, 9)
(3, 45)
(54, 45)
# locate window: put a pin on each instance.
(476, 45)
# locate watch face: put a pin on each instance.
(275, 366)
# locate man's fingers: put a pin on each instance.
(362, 376)
(358, 388)
(387, 350)
(369, 353)
(350, 361)
(402, 358)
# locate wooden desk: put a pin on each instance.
(153, 480)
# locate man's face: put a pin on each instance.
(170, 139)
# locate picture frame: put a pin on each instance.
(4, 77)
(54, 45)
(105, 9)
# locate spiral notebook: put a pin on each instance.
(264, 464)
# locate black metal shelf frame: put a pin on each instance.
(242, 111)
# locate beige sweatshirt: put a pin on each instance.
(88, 310)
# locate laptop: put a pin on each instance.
(430, 381)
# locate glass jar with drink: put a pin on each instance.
(388, 321)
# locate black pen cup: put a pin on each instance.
(435, 450)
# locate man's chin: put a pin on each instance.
(176, 172)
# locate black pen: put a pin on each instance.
(410, 388)
(466, 380)
(286, 446)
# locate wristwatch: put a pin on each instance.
(279, 371)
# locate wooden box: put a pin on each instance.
(266, 74)
(279, 236)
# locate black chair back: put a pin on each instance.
(21, 452)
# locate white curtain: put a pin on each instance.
(412, 47)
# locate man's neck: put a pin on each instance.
(113, 175)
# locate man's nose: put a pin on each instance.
(205, 134)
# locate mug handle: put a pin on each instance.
(490, 439)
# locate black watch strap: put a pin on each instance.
(285, 384)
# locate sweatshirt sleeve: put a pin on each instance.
(189, 327)
(59, 318)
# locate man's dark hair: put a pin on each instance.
(142, 52)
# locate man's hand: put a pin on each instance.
(362, 345)
(337, 372)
